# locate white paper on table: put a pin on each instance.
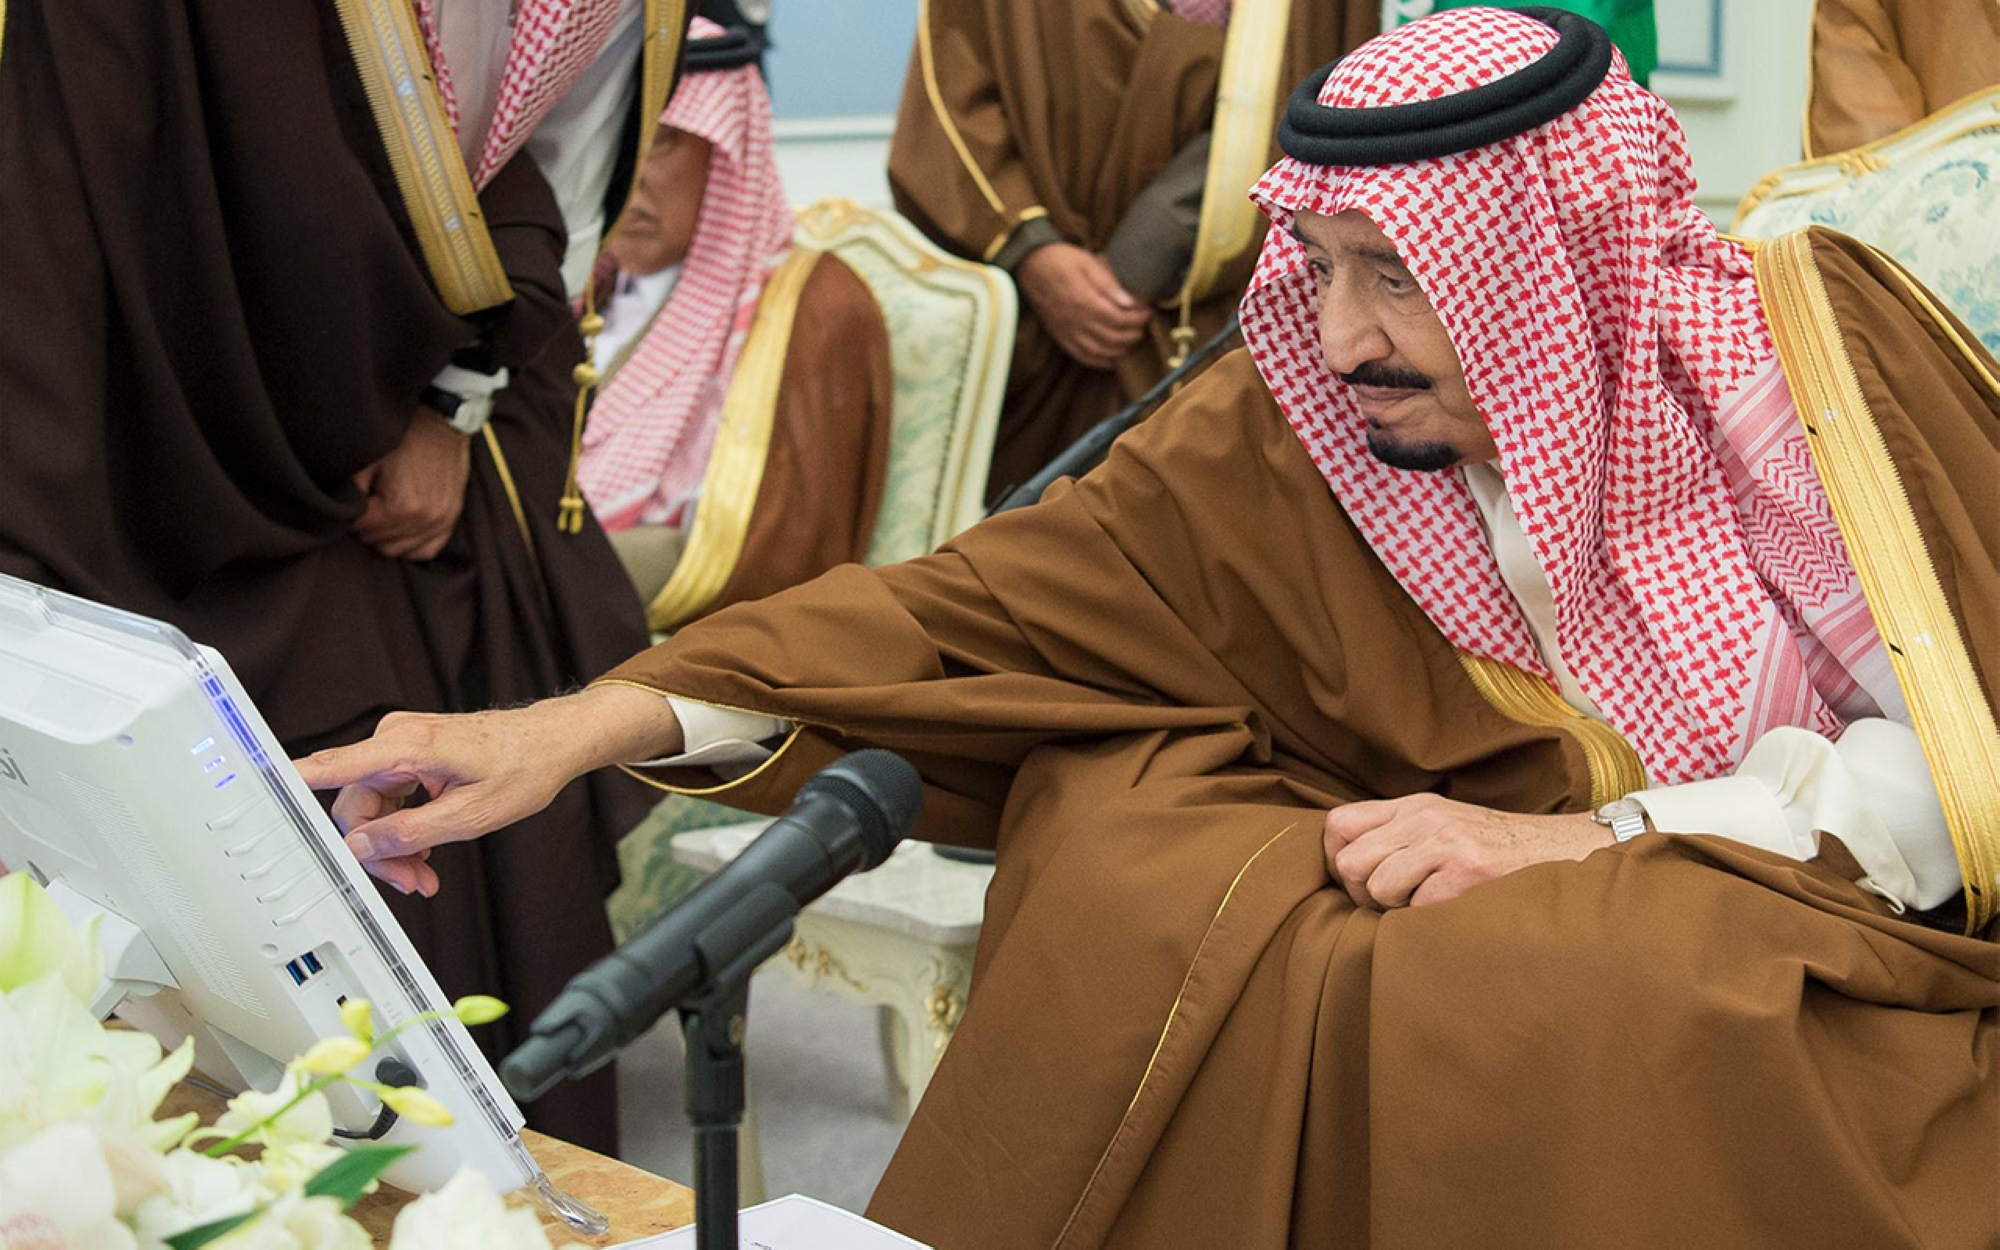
(794, 1222)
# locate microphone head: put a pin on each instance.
(883, 788)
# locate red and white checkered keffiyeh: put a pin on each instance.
(554, 42)
(1617, 348)
(651, 430)
(1207, 12)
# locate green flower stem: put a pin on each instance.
(222, 1148)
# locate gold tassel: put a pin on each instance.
(1182, 334)
(569, 516)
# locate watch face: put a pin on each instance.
(756, 12)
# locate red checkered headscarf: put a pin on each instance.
(1617, 349)
(554, 42)
(1207, 12)
(651, 429)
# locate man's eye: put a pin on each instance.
(1321, 271)
(1399, 286)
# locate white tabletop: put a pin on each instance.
(917, 892)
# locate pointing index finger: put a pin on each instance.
(368, 760)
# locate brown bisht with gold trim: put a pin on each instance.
(796, 472)
(217, 310)
(1147, 692)
(1064, 111)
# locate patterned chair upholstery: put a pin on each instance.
(951, 340)
(1928, 196)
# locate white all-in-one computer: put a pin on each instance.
(138, 781)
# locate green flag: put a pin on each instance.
(1629, 22)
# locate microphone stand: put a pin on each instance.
(714, 1024)
(714, 1027)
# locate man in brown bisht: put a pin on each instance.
(1879, 66)
(255, 289)
(745, 395)
(1099, 151)
(1508, 760)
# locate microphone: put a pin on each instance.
(847, 819)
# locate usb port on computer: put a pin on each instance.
(298, 973)
(311, 962)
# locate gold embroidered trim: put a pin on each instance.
(3, 25)
(1520, 696)
(1812, 86)
(1948, 707)
(423, 152)
(666, 29)
(735, 470)
(1141, 13)
(929, 67)
(1865, 159)
(507, 484)
(798, 727)
(1173, 1014)
(1246, 108)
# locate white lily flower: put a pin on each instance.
(309, 1122)
(57, 1064)
(198, 1190)
(466, 1215)
(56, 1191)
(290, 1164)
(296, 1222)
(37, 940)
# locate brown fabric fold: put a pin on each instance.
(829, 454)
(215, 317)
(1147, 691)
(1881, 65)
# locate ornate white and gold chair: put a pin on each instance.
(951, 339)
(1928, 196)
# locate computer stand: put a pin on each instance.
(713, 1026)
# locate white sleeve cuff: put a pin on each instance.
(1740, 808)
(720, 738)
(1872, 790)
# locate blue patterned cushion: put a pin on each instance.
(1929, 197)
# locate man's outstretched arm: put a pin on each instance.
(482, 771)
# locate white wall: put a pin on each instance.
(1735, 72)
(836, 69)
(845, 156)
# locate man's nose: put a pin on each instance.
(1348, 336)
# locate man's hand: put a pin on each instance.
(416, 492)
(1425, 849)
(1093, 319)
(482, 771)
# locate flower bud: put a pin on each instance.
(333, 1055)
(416, 1105)
(478, 1009)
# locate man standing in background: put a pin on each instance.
(1100, 151)
(286, 361)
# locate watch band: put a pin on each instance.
(1626, 818)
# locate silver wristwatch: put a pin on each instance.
(1626, 818)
